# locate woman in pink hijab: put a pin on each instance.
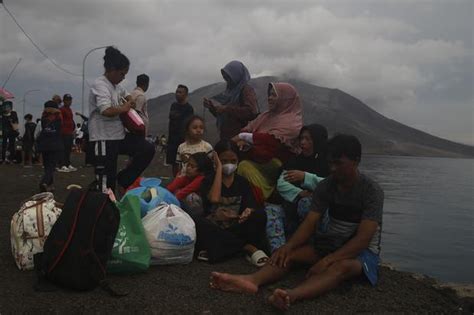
(271, 139)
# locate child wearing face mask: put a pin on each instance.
(194, 131)
(199, 165)
(232, 221)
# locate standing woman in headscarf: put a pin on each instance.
(271, 139)
(237, 105)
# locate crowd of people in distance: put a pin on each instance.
(24, 148)
(278, 191)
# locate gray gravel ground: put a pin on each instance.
(184, 289)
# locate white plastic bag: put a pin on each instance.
(171, 234)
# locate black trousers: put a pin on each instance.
(8, 144)
(28, 151)
(171, 151)
(222, 244)
(50, 159)
(88, 150)
(68, 142)
(106, 155)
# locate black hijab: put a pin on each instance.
(316, 163)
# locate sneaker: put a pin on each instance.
(64, 169)
(7, 161)
(72, 168)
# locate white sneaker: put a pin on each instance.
(72, 168)
(64, 169)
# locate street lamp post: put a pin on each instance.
(24, 101)
(84, 72)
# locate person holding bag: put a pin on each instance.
(106, 130)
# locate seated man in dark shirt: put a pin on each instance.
(339, 238)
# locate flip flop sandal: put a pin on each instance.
(258, 258)
(73, 186)
(202, 256)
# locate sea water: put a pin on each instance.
(428, 222)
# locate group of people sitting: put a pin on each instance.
(270, 185)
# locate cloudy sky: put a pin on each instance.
(412, 61)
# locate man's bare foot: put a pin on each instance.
(232, 283)
(280, 299)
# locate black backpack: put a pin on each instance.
(80, 243)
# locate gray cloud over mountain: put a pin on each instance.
(410, 60)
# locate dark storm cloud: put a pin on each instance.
(406, 59)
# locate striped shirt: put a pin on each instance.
(343, 211)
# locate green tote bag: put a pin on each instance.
(131, 251)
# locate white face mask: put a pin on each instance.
(229, 168)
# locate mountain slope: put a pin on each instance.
(333, 108)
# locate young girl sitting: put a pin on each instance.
(198, 166)
(194, 130)
(231, 221)
(300, 176)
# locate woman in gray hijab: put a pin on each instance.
(237, 105)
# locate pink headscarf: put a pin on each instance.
(285, 120)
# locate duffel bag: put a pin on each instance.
(30, 227)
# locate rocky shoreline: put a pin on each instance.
(464, 292)
(179, 289)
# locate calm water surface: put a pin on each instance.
(428, 223)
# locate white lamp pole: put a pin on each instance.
(84, 72)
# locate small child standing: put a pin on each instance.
(194, 130)
(78, 135)
(50, 143)
(198, 167)
(28, 141)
